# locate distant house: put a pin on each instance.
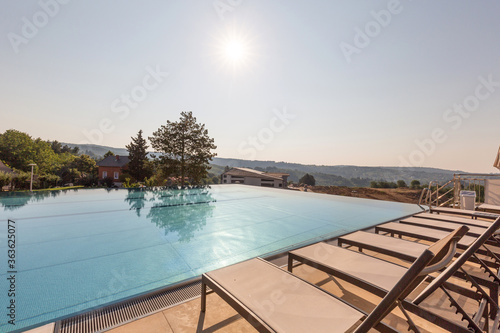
(112, 166)
(254, 177)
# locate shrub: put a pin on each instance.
(415, 184)
(5, 179)
(108, 181)
(21, 180)
(401, 183)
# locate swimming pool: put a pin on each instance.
(81, 249)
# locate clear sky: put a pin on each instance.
(372, 83)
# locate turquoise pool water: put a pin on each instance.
(80, 249)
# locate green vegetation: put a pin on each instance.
(415, 184)
(138, 166)
(307, 179)
(185, 149)
(108, 153)
(55, 164)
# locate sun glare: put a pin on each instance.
(235, 50)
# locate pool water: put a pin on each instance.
(80, 249)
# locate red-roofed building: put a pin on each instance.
(112, 166)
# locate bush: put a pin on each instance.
(108, 181)
(401, 183)
(88, 180)
(308, 180)
(415, 184)
(5, 179)
(47, 180)
(374, 184)
(21, 180)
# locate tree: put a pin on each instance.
(138, 166)
(185, 147)
(109, 153)
(415, 184)
(401, 183)
(308, 180)
(85, 164)
(17, 149)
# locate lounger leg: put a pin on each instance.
(203, 296)
(290, 263)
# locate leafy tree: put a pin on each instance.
(227, 168)
(45, 157)
(402, 183)
(17, 149)
(185, 147)
(109, 153)
(308, 180)
(415, 184)
(85, 164)
(56, 146)
(138, 165)
(374, 184)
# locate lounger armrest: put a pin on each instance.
(443, 262)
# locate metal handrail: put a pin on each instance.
(475, 182)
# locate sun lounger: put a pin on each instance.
(489, 208)
(432, 235)
(474, 231)
(471, 213)
(391, 246)
(409, 251)
(454, 219)
(356, 268)
(274, 300)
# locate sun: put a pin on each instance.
(234, 50)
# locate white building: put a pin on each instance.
(254, 177)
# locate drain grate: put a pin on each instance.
(116, 314)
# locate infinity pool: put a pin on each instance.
(80, 249)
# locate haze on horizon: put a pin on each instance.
(369, 83)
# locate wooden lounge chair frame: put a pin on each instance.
(395, 251)
(400, 229)
(434, 258)
(488, 307)
(471, 213)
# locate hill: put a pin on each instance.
(338, 175)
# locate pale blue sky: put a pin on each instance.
(69, 76)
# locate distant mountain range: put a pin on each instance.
(339, 175)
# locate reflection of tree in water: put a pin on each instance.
(136, 198)
(181, 211)
(16, 200)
